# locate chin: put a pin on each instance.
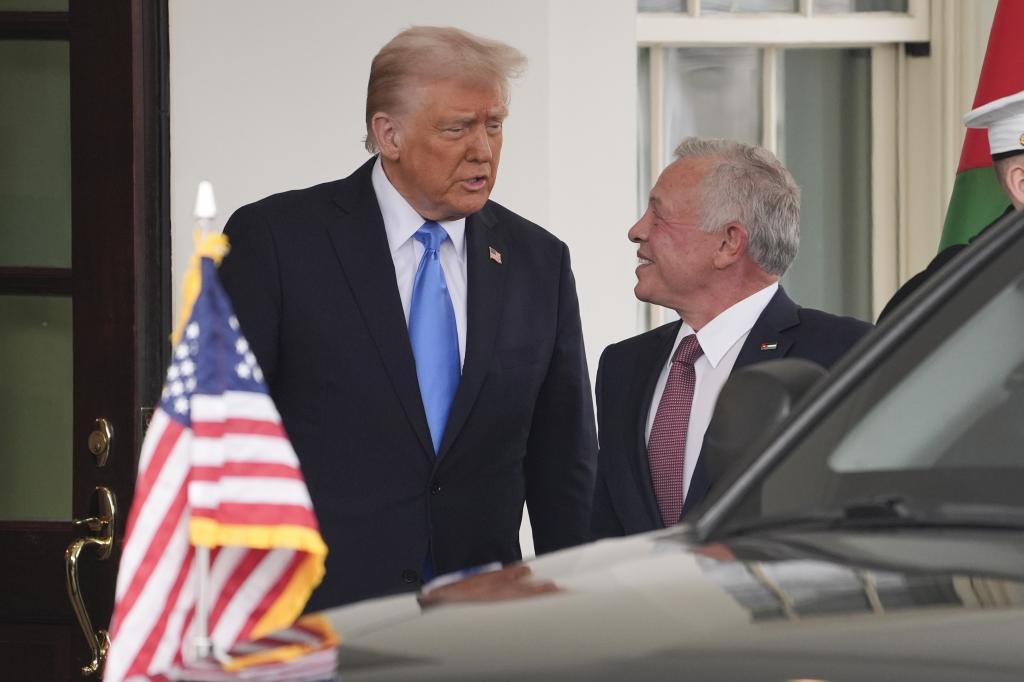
(467, 208)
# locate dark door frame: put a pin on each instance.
(121, 291)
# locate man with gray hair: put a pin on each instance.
(423, 343)
(721, 227)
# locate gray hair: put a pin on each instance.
(748, 185)
(422, 54)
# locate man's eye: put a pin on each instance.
(454, 130)
(494, 127)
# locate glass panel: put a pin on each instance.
(35, 408)
(661, 5)
(643, 139)
(825, 140)
(644, 311)
(845, 6)
(711, 92)
(33, 5)
(35, 162)
(742, 6)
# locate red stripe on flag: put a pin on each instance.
(148, 650)
(245, 470)
(274, 592)
(249, 563)
(165, 443)
(237, 426)
(259, 514)
(151, 557)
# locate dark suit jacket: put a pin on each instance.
(624, 501)
(313, 284)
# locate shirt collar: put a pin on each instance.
(401, 220)
(722, 333)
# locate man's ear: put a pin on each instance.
(732, 246)
(388, 134)
(1015, 185)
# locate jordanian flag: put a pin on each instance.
(977, 199)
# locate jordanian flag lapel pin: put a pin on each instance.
(769, 346)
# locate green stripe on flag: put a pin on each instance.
(976, 201)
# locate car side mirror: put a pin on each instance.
(753, 403)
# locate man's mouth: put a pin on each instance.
(640, 260)
(476, 182)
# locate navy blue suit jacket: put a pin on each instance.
(624, 501)
(313, 283)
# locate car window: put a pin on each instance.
(939, 421)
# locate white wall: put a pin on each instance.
(268, 95)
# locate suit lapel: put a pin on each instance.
(766, 340)
(649, 366)
(485, 290)
(361, 245)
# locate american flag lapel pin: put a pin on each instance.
(494, 254)
(769, 346)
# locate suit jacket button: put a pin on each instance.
(435, 488)
(410, 576)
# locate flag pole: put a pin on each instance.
(205, 211)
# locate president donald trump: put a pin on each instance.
(422, 342)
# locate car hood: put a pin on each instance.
(799, 606)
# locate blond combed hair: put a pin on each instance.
(423, 54)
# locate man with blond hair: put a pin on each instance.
(422, 342)
(721, 227)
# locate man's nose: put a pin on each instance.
(480, 146)
(638, 232)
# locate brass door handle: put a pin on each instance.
(102, 528)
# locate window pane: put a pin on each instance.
(825, 141)
(718, 6)
(661, 5)
(711, 92)
(643, 128)
(33, 5)
(35, 162)
(845, 6)
(35, 408)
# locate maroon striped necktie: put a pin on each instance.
(666, 448)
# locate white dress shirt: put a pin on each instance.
(721, 340)
(401, 222)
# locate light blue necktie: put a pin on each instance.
(435, 341)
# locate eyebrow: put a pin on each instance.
(465, 119)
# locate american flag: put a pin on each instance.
(216, 470)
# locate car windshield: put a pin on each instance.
(934, 431)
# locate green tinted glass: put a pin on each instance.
(35, 408)
(35, 162)
(33, 5)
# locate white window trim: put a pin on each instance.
(777, 29)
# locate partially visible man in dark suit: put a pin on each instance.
(721, 227)
(1004, 119)
(423, 343)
